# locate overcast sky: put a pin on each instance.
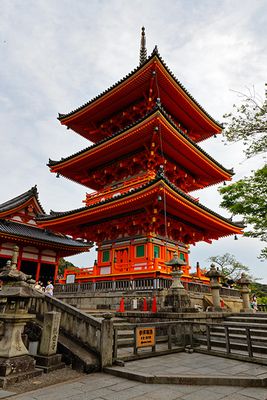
(58, 54)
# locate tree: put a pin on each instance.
(247, 197)
(64, 264)
(248, 123)
(229, 266)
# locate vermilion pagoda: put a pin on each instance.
(144, 161)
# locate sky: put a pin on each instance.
(58, 54)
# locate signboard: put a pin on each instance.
(70, 278)
(145, 337)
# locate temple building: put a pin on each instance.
(144, 162)
(39, 249)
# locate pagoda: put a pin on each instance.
(142, 165)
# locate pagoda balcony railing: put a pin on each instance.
(116, 189)
(141, 284)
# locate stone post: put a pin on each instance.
(244, 282)
(177, 298)
(15, 362)
(106, 341)
(48, 345)
(214, 275)
(15, 255)
(47, 358)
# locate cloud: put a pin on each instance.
(59, 54)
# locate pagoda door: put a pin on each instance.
(122, 262)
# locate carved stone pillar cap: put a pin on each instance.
(9, 274)
(214, 272)
(244, 280)
(175, 261)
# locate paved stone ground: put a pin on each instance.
(196, 364)
(100, 386)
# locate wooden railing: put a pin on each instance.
(83, 328)
(198, 336)
(247, 344)
(169, 337)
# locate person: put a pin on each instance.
(254, 304)
(49, 289)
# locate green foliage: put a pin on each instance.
(229, 266)
(262, 300)
(64, 264)
(248, 123)
(259, 289)
(247, 197)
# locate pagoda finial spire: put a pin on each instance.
(143, 52)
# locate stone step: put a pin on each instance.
(240, 331)
(241, 337)
(80, 358)
(258, 314)
(248, 320)
(260, 349)
(186, 379)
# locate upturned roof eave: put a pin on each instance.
(160, 178)
(20, 201)
(63, 118)
(157, 109)
(31, 234)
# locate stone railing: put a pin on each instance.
(89, 331)
(262, 307)
(137, 285)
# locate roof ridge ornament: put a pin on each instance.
(143, 50)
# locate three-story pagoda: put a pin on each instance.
(142, 165)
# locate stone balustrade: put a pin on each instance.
(87, 330)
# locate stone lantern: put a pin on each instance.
(215, 275)
(177, 297)
(15, 362)
(244, 282)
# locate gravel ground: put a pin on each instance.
(59, 376)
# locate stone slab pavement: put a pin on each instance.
(102, 386)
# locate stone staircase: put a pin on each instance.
(243, 329)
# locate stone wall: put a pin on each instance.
(111, 300)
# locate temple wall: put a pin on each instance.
(134, 301)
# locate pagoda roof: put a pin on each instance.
(178, 203)
(23, 232)
(95, 155)
(21, 201)
(101, 106)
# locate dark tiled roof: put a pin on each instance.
(160, 177)
(157, 107)
(154, 53)
(30, 232)
(20, 200)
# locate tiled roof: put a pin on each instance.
(20, 200)
(158, 107)
(153, 54)
(30, 232)
(160, 177)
